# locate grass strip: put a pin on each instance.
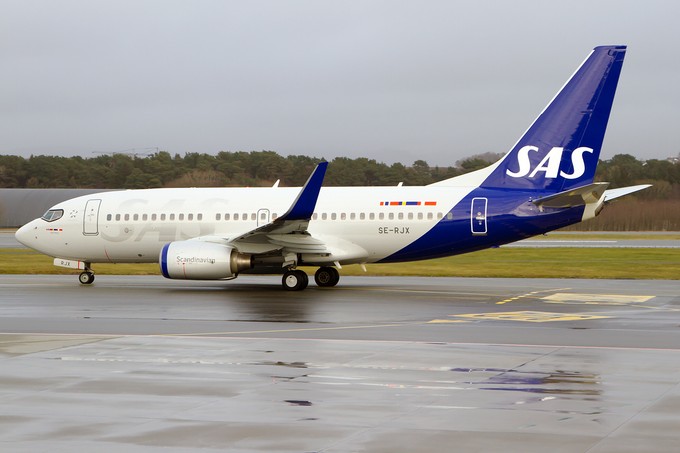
(606, 263)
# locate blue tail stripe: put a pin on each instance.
(558, 152)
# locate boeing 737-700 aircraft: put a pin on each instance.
(543, 183)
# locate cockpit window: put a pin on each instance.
(52, 215)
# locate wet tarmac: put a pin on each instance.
(376, 364)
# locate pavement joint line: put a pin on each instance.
(532, 293)
(345, 340)
(311, 329)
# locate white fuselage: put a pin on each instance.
(133, 225)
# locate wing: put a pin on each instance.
(287, 235)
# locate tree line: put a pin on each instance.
(657, 208)
(262, 168)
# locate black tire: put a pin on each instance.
(327, 277)
(295, 280)
(86, 278)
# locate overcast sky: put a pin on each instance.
(390, 80)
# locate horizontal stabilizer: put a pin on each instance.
(616, 193)
(579, 196)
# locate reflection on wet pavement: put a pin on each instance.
(557, 382)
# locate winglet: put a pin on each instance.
(303, 206)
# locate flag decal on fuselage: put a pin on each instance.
(408, 203)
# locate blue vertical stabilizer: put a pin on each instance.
(560, 150)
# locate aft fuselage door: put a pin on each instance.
(91, 218)
(478, 216)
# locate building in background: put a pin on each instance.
(20, 206)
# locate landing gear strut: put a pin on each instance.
(294, 280)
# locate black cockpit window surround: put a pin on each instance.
(52, 215)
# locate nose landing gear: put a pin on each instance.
(86, 277)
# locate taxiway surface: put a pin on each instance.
(375, 364)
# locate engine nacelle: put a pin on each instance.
(198, 260)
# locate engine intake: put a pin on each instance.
(197, 260)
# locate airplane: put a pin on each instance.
(545, 182)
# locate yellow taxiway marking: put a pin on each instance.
(596, 299)
(446, 321)
(532, 316)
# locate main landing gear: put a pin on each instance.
(327, 276)
(297, 280)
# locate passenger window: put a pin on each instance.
(245, 217)
(263, 216)
(449, 216)
(381, 216)
(172, 216)
(429, 216)
(420, 216)
(410, 216)
(371, 216)
(127, 217)
(253, 216)
(362, 216)
(199, 217)
(153, 217)
(352, 216)
(440, 215)
(181, 217)
(162, 216)
(391, 216)
(145, 217)
(226, 217)
(400, 216)
(108, 217)
(190, 217)
(219, 217)
(117, 217)
(275, 215)
(135, 217)
(314, 216)
(236, 216)
(343, 216)
(334, 216)
(324, 216)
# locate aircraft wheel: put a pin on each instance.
(295, 280)
(327, 276)
(86, 278)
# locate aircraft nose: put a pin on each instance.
(27, 234)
